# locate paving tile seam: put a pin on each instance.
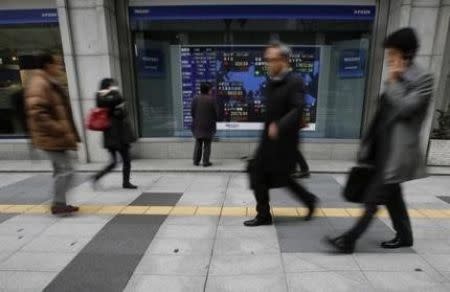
(225, 211)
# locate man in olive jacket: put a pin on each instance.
(392, 145)
(275, 158)
(51, 126)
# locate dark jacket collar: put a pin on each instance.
(281, 77)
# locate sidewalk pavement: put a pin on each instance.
(185, 165)
(184, 232)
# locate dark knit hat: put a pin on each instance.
(404, 40)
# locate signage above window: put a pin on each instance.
(313, 12)
(28, 16)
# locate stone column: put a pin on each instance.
(89, 37)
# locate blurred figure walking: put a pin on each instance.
(119, 136)
(276, 155)
(304, 167)
(51, 126)
(392, 145)
(204, 114)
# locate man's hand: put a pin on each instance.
(273, 131)
(396, 70)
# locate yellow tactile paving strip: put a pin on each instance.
(218, 211)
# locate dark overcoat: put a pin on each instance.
(275, 160)
(204, 112)
(119, 135)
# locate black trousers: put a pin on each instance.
(302, 162)
(261, 191)
(397, 211)
(126, 159)
(202, 146)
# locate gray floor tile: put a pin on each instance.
(345, 223)
(107, 262)
(184, 231)
(14, 242)
(438, 246)
(5, 255)
(113, 199)
(247, 283)
(308, 244)
(328, 281)
(157, 199)
(403, 281)
(192, 220)
(159, 283)
(8, 228)
(33, 190)
(12, 178)
(440, 262)
(318, 262)
(426, 223)
(5, 217)
(62, 228)
(184, 246)
(241, 231)
(184, 265)
(228, 220)
(431, 234)
(59, 244)
(318, 223)
(303, 232)
(36, 262)
(392, 262)
(228, 265)
(202, 201)
(24, 281)
(29, 218)
(236, 246)
(445, 199)
(86, 219)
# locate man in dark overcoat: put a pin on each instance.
(204, 114)
(275, 157)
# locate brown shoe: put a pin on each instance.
(64, 209)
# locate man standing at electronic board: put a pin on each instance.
(275, 158)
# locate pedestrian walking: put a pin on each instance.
(204, 113)
(303, 165)
(392, 145)
(275, 157)
(51, 126)
(118, 137)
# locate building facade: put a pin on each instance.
(161, 50)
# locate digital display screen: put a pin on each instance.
(239, 77)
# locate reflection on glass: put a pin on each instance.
(173, 57)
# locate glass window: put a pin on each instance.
(19, 46)
(173, 56)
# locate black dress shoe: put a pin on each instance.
(258, 222)
(311, 208)
(341, 244)
(196, 163)
(207, 164)
(397, 242)
(129, 186)
(302, 174)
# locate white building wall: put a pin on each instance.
(89, 37)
